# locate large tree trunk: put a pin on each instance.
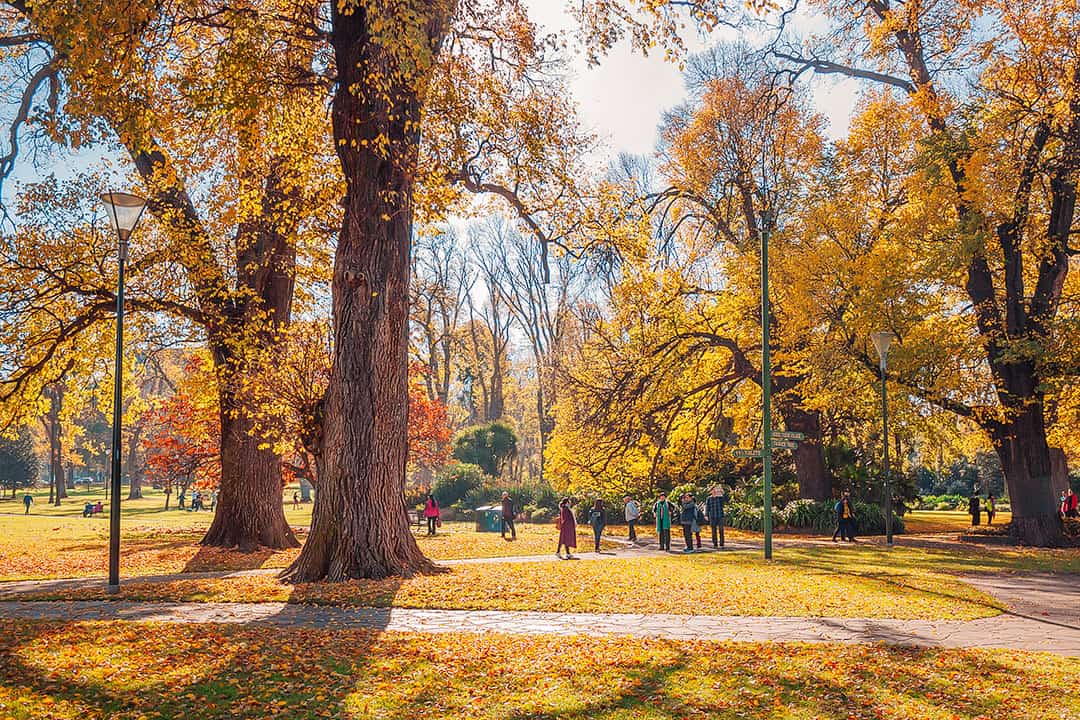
(249, 512)
(814, 480)
(1025, 458)
(360, 528)
(810, 470)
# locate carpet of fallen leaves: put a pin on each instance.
(945, 521)
(138, 671)
(41, 547)
(736, 584)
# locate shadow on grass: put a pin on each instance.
(124, 670)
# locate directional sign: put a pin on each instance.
(747, 453)
(785, 444)
(787, 435)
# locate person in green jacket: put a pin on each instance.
(663, 511)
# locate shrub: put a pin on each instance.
(811, 515)
(543, 515)
(455, 481)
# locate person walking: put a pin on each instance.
(974, 510)
(632, 512)
(1072, 503)
(687, 518)
(508, 516)
(663, 510)
(431, 512)
(598, 521)
(567, 526)
(990, 509)
(27, 501)
(714, 511)
(845, 519)
(296, 501)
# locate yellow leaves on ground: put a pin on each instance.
(809, 584)
(40, 547)
(128, 671)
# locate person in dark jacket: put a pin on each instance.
(508, 516)
(714, 511)
(845, 519)
(567, 529)
(598, 521)
(974, 510)
(664, 512)
(687, 517)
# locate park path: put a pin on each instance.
(1004, 631)
(1043, 615)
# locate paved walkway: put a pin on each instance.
(1044, 614)
(1005, 631)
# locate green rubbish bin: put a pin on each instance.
(489, 518)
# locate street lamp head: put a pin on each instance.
(882, 340)
(124, 210)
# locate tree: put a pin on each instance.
(183, 438)
(249, 150)
(488, 447)
(1001, 155)
(18, 462)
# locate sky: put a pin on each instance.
(625, 97)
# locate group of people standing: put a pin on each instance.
(975, 510)
(692, 517)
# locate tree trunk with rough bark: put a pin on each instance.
(1025, 458)
(250, 512)
(360, 527)
(814, 480)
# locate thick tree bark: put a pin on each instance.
(249, 511)
(1025, 458)
(814, 480)
(360, 527)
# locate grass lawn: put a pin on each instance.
(136, 671)
(945, 521)
(54, 546)
(732, 584)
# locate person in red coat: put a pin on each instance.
(431, 512)
(567, 529)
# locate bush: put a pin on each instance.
(941, 502)
(543, 515)
(486, 493)
(811, 515)
(455, 481)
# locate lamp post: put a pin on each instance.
(766, 386)
(882, 340)
(124, 210)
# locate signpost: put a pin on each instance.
(785, 444)
(787, 435)
(747, 453)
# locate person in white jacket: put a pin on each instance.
(632, 514)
